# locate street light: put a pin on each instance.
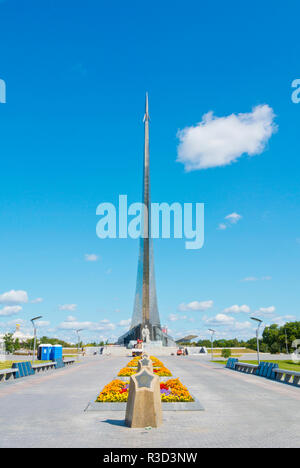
(286, 342)
(34, 339)
(257, 330)
(211, 338)
(78, 341)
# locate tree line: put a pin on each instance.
(13, 345)
(275, 339)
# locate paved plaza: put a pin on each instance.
(241, 410)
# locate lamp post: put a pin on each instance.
(78, 341)
(34, 335)
(286, 342)
(257, 331)
(212, 338)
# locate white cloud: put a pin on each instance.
(73, 324)
(173, 317)
(233, 217)
(219, 141)
(91, 257)
(125, 323)
(38, 300)
(14, 297)
(42, 323)
(70, 318)
(236, 309)
(254, 278)
(70, 307)
(10, 310)
(266, 310)
(243, 325)
(220, 319)
(195, 305)
(282, 320)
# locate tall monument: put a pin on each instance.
(145, 313)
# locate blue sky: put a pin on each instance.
(71, 137)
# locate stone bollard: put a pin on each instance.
(144, 401)
(145, 362)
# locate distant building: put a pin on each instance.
(18, 334)
(186, 339)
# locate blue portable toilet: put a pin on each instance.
(56, 352)
(44, 352)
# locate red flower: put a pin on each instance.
(163, 386)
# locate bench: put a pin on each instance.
(24, 369)
(231, 363)
(6, 374)
(246, 367)
(69, 361)
(44, 366)
(283, 375)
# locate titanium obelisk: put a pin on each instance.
(145, 310)
(145, 307)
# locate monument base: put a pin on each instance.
(159, 350)
(135, 333)
(152, 344)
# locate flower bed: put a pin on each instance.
(134, 362)
(162, 372)
(127, 372)
(171, 391)
(156, 362)
(115, 392)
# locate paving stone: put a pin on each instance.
(47, 410)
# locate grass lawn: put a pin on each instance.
(239, 351)
(288, 365)
(8, 364)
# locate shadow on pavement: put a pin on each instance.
(115, 422)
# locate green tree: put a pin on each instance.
(226, 353)
(9, 342)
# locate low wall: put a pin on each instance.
(153, 350)
(196, 350)
(116, 351)
(160, 350)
